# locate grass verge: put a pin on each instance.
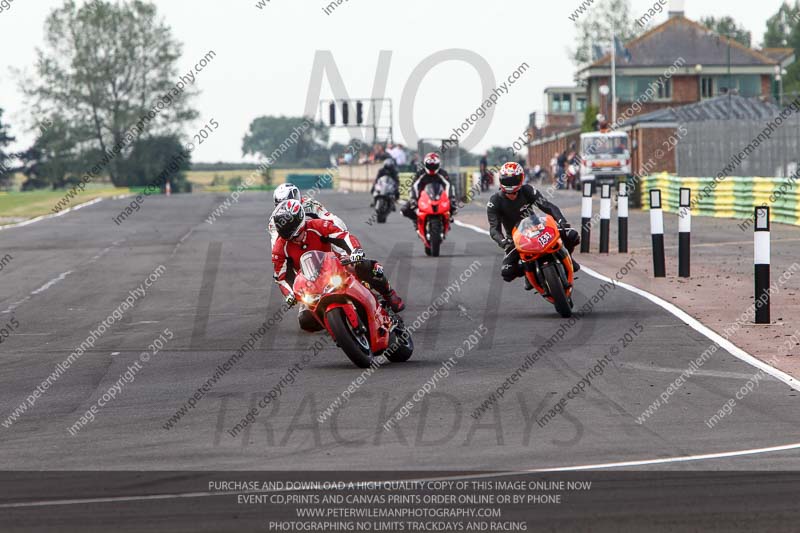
(19, 206)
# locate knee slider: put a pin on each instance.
(308, 322)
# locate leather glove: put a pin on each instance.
(357, 255)
(291, 301)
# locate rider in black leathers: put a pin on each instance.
(513, 203)
(389, 168)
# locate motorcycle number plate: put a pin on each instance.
(545, 239)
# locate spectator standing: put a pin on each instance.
(379, 154)
(554, 166)
(561, 169)
(398, 153)
(415, 162)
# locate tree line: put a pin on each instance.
(99, 73)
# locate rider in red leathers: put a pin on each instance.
(298, 235)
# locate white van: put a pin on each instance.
(605, 157)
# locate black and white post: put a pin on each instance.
(586, 218)
(685, 233)
(657, 233)
(622, 218)
(762, 256)
(605, 217)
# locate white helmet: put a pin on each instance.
(284, 192)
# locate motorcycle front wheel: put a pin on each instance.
(435, 228)
(355, 345)
(556, 289)
(401, 346)
(381, 210)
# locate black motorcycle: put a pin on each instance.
(384, 198)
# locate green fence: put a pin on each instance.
(734, 197)
(310, 181)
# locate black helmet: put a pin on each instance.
(389, 164)
(290, 219)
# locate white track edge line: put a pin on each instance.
(678, 459)
(698, 326)
(599, 466)
(689, 320)
(61, 213)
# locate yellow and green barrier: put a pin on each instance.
(407, 179)
(734, 197)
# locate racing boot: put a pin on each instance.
(395, 302)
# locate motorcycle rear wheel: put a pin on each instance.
(354, 345)
(556, 289)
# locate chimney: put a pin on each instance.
(676, 8)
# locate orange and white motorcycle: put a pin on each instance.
(548, 265)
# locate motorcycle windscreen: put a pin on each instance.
(385, 185)
(311, 264)
(434, 190)
(532, 235)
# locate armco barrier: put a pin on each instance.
(733, 197)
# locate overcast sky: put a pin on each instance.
(264, 56)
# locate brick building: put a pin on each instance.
(675, 64)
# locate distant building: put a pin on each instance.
(708, 65)
(678, 63)
(565, 106)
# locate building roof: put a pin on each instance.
(566, 89)
(720, 108)
(778, 54)
(698, 45)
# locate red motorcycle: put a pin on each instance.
(361, 326)
(433, 217)
(548, 265)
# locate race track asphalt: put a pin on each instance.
(69, 273)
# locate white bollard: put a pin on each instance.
(657, 233)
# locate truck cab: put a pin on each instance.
(605, 157)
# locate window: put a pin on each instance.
(664, 90)
(561, 103)
(580, 105)
(644, 88)
(707, 87)
(747, 85)
(743, 85)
